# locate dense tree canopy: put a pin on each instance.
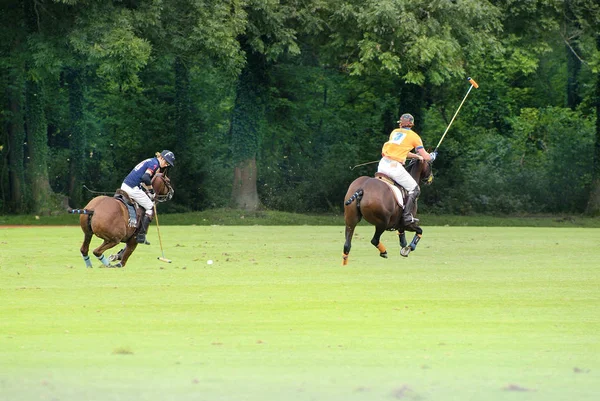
(267, 103)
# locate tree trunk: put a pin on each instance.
(246, 132)
(184, 144)
(244, 194)
(16, 155)
(593, 206)
(77, 138)
(37, 149)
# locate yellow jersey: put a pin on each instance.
(401, 142)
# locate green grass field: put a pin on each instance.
(474, 313)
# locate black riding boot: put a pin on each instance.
(407, 213)
(141, 236)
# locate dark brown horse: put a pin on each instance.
(108, 218)
(373, 199)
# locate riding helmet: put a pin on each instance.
(168, 156)
(406, 120)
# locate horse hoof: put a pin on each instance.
(405, 251)
(383, 255)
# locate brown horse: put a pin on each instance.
(373, 199)
(108, 218)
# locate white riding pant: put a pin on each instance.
(140, 197)
(396, 171)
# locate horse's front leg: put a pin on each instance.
(413, 244)
(129, 248)
(377, 243)
(402, 238)
(118, 256)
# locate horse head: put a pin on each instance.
(162, 187)
(420, 171)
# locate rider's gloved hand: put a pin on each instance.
(433, 156)
(151, 194)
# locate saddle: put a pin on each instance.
(398, 191)
(134, 210)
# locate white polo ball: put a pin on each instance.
(209, 262)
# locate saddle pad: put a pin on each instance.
(122, 196)
(395, 190)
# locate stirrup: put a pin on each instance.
(408, 220)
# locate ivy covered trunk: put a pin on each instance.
(15, 153)
(248, 119)
(77, 138)
(244, 193)
(184, 143)
(37, 149)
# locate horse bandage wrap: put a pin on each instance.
(80, 211)
(356, 196)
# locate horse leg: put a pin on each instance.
(117, 256)
(85, 248)
(352, 217)
(413, 244)
(99, 252)
(402, 238)
(377, 243)
(348, 244)
(129, 248)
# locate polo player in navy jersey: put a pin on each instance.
(138, 185)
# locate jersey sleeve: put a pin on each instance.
(417, 142)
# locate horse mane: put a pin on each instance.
(420, 170)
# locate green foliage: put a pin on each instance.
(541, 165)
(421, 41)
(309, 88)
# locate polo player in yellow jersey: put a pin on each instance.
(394, 154)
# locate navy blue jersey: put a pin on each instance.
(150, 166)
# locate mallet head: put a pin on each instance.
(472, 81)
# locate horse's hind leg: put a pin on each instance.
(348, 243)
(85, 248)
(377, 243)
(352, 217)
(99, 252)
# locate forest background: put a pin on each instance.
(268, 103)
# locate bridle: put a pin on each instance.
(426, 180)
(170, 191)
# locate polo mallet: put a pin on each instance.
(162, 259)
(473, 84)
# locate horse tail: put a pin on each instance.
(80, 211)
(356, 196)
